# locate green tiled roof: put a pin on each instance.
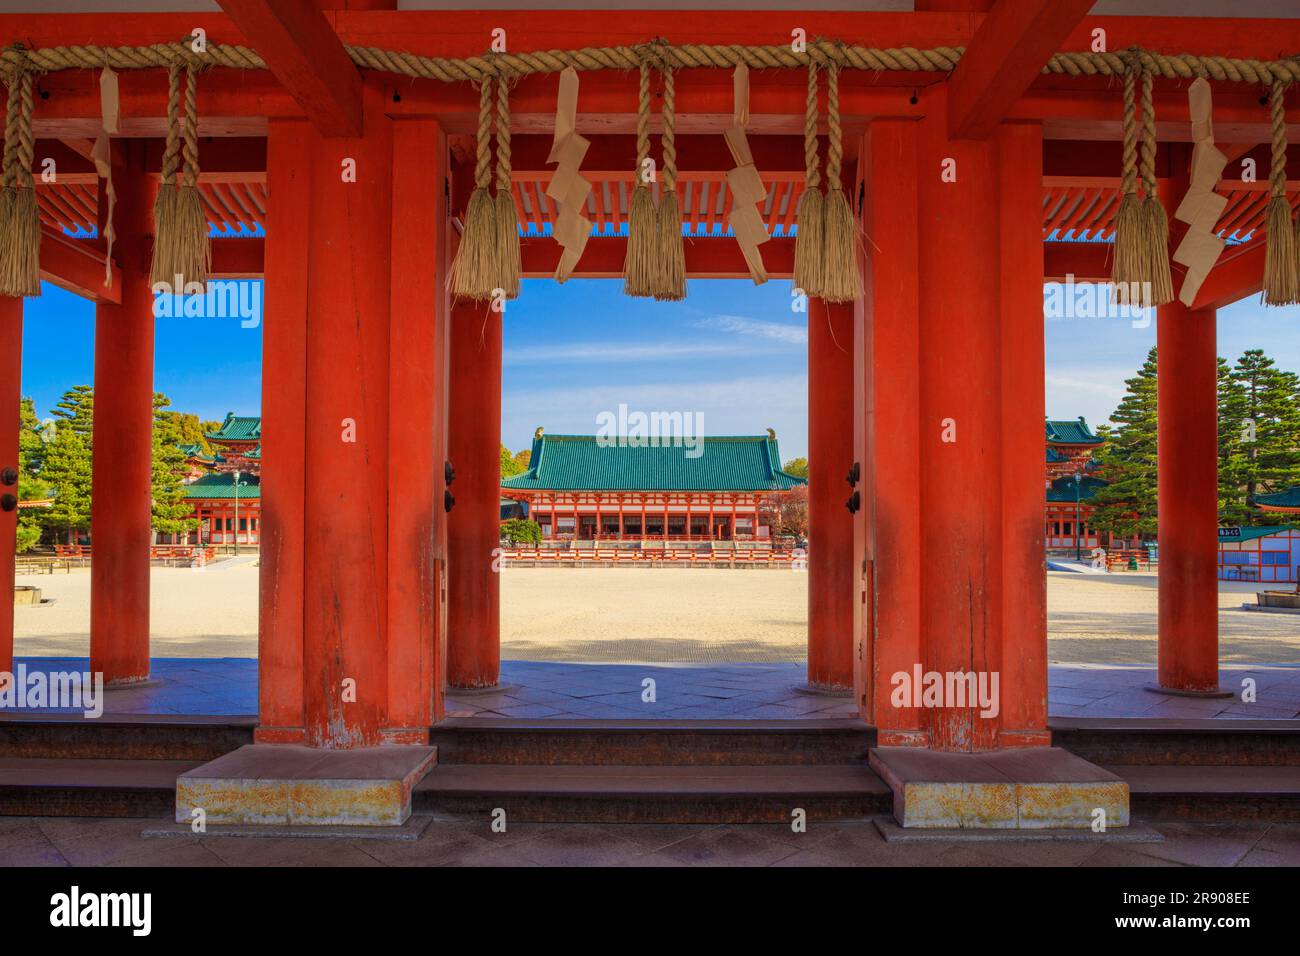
(238, 428)
(1250, 534)
(578, 463)
(1062, 489)
(1071, 433)
(1054, 456)
(1282, 499)
(195, 450)
(221, 484)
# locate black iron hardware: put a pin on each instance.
(448, 501)
(8, 477)
(8, 502)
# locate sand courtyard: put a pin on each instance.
(646, 615)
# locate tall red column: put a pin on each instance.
(1188, 499)
(122, 456)
(474, 526)
(11, 371)
(353, 415)
(889, 402)
(981, 289)
(830, 524)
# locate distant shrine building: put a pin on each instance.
(579, 487)
(1071, 480)
(228, 513)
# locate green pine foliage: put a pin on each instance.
(1258, 445)
(171, 513)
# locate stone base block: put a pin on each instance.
(1020, 788)
(288, 785)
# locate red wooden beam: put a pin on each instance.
(1085, 261)
(238, 258)
(1005, 57)
(307, 57)
(77, 267)
(718, 258)
(1233, 278)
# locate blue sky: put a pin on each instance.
(735, 352)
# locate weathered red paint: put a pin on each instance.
(417, 523)
(474, 525)
(890, 519)
(282, 718)
(122, 458)
(11, 371)
(1022, 720)
(1187, 471)
(830, 525)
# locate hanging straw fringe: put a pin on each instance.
(20, 224)
(810, 221)
(670, 261)
(509, 265)
(839, 266)
(182, 253)
(473, 273)
(1128, 270)
(1281, 268)
(638, 263)
(164, 207)
(1155, 228)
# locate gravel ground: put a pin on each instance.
(647, 615)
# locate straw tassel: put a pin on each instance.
(1129, 269)
(839, 266)
(1281, 267)
(473, 273)
(670, 265)
(809, 235)
(182, 253)
(638, 263)
(509, 265)
(20, 224)
(1155, 220)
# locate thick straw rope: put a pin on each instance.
(1155, 220)
(20, 225)
(164, 266)
(639, 259)
(1281, 268)
(1129, 268)
(509, 261)
(1183, 66)
(670, 261)
(839, 272)
(808, 258)
(474, 272)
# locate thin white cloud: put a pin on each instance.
(788, 333)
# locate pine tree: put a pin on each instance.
(171, 513)
(1127, 505)
(31, 459)
(1261, 417)
(66, 468)
(76, 410)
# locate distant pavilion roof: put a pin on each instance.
(579, 463)
(238, 428)
(1071, 432)
(1288, 500)
(1062, 489)
(221, 484)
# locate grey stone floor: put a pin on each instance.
(61, 841)
(532, 689)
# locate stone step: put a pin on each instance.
(143, 737)
(1189, 792)
(89, 786)
(1168, 741)
(662, 743)
(653, 794)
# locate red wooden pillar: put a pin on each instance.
(122, 457)
(11, 371)
(981, 429)
(280, 685)
(474, 526)
(890, 519)
(830, 525)
(351, 405)
(1187, 471)
(417, 431)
